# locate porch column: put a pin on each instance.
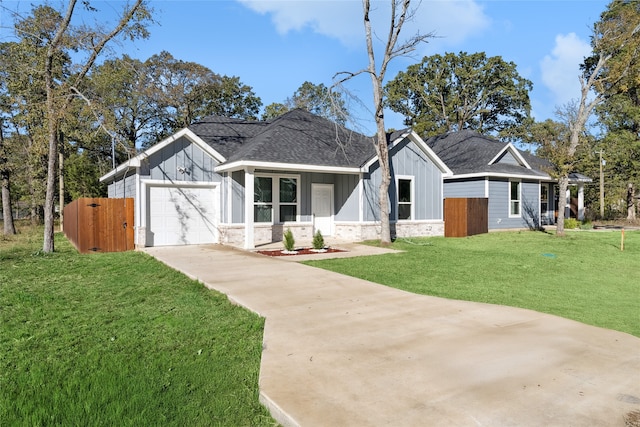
(248, 209)
(581, 201)
(567, 208)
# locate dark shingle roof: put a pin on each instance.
(296, 137)
(468, 152)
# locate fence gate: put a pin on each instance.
(100, 224)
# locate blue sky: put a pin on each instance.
(274, 46)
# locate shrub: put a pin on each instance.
(586, 225)
(318, 240)
(571, 223)
(289, 242)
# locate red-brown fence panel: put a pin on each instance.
(100, 224)
(466, 216)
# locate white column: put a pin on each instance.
(567, 209)
(248, 209)
(581, 201)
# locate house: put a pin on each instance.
(300, 171)
(520, 191)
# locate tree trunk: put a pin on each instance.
(383, 191)
(631, 205)
(61, 186)
(49, 206)
(7, 212)
(563, 184)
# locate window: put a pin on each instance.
(262, 199)
(405, 198)
(266, 207)
(544, 198)
(288, 199)
(514, 198)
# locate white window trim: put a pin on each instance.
(519, 215)
(413, 196)
(275, 199)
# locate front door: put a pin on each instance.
(322, 208)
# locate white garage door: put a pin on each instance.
(182, 216)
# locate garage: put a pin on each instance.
(182, 215)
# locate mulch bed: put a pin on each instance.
(301, 251)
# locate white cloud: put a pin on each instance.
(560, 69)
(451, 20)
(330, 18)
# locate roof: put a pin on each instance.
(468, 153)
(295, 138)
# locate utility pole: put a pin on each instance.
(601, 186)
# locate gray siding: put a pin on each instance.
(371, 184)
(198, 165)
(407, 159)
(473, 187)
(345, 195)
(499, 204)
(123, 187)
(237, 197)
(508, 158)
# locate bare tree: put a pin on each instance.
(400, 13)
(577, 124)
(615, 46)
(95, 43)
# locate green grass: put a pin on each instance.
(583, 276)
(120, 339)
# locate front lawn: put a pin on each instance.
(583, 276)
(120, 339)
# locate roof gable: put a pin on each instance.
(469, 153)
(510, 155)
(137, 160)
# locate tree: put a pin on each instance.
(615, 46)
(60, 37)
(274, 110)
(183, 92)
(24, 97)
(400, 13)
(619, 112)
(454, 92)
(316, 99)
(7, 212)
(120, 100)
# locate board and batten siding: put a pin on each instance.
(237, 197)
(182, 154)
(345, 195)
(499, 204)
(464, 188)
(123, 187)
(408, 160)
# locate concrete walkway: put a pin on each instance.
(340, 351)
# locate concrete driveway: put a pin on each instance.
(340, 351)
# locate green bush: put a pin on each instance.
(571, 223)
(586, 225)
(318, 240)
(289, 242)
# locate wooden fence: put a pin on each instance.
(99, 224)
(465, 217)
